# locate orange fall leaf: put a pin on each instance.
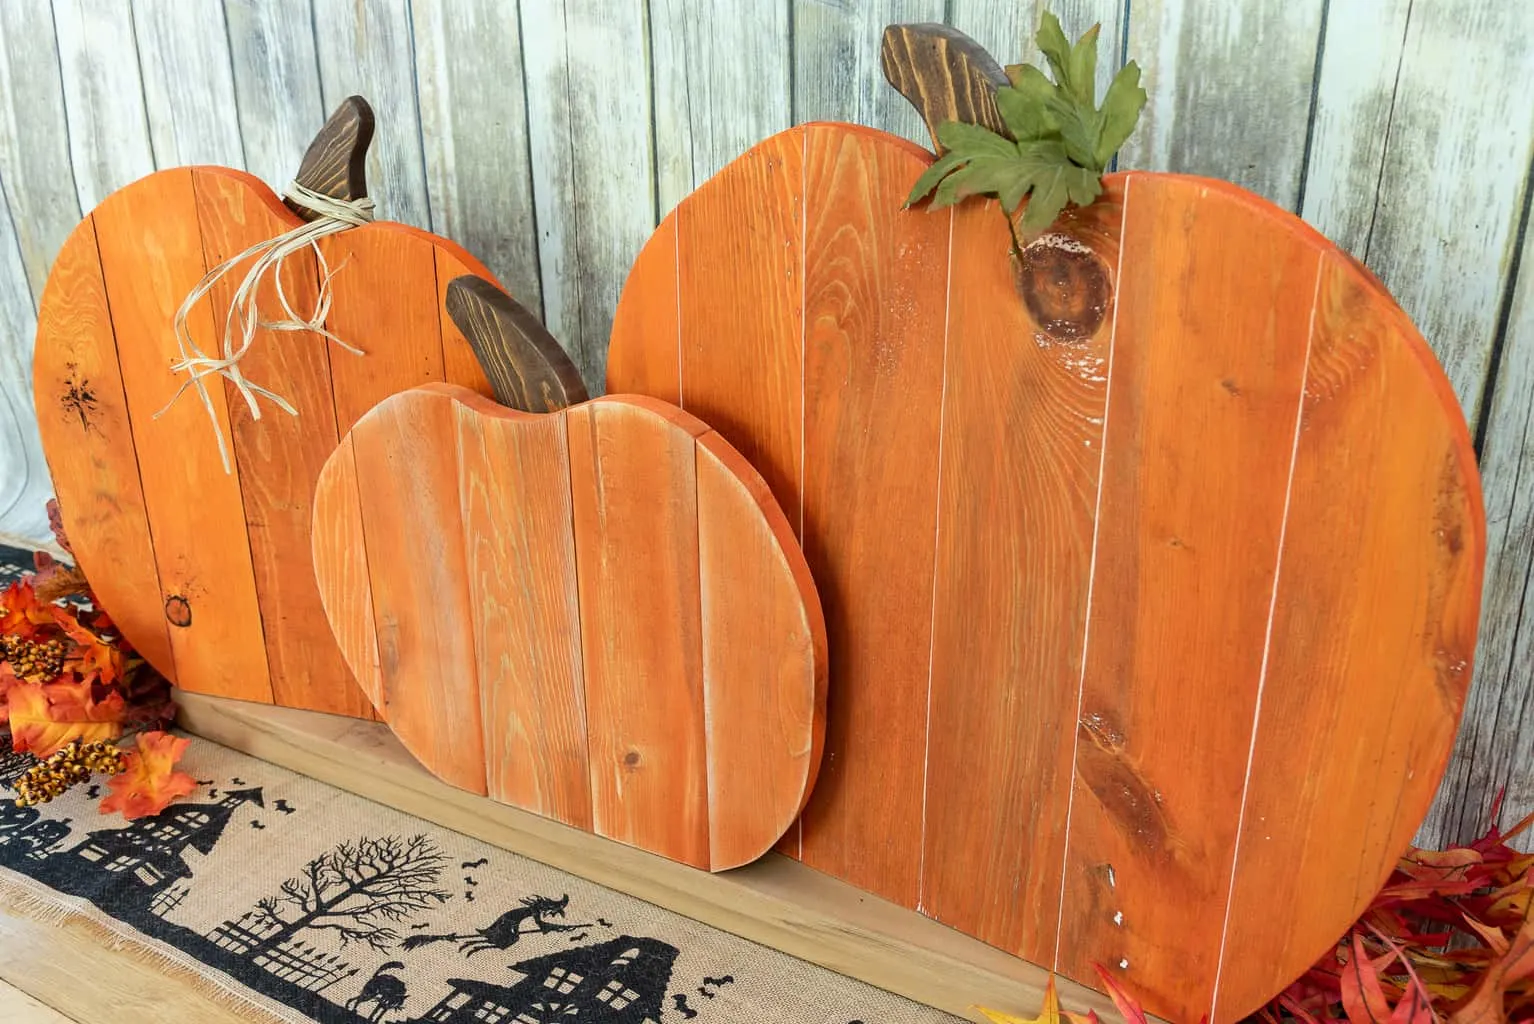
(45, 719)
(150, 781)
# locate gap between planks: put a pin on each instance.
(776, 901)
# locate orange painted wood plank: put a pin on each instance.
(386, 304)
(407, 472)
(1368, 668)
(514, 490)
(151, 258)
(876, 288)
(459, 364)
(82, 415)
(339, 552)
(740, 267)
(1214, 313)
(633, 489)
(645, 350)
(1021, 449)
(763, 637)
(279, 456)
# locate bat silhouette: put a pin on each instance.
(604, 922)
(469, 881)
(93, 792)
(728, 979)
(418, 927)
(688, 1013)
(469, 895)
(256, 824)
(213, 793)
(282, 805)
(579, 937)
(205, 782)
(238, 782)
(475, 863)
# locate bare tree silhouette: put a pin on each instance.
(359, 889)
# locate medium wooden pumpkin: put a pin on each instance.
(1152, 559)
(598, 614)
(207, 573)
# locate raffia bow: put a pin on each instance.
(333, 216)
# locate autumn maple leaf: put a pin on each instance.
(45, 719)
(21, 613)
(1050, 1014)
(92, 656)
(150, 781)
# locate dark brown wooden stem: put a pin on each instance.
(945, 75)
(527, 367)
(335, 162)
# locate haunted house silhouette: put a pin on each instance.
(619, 982)
(148, 855)
(26, 834)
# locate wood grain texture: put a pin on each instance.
(460, 364)
(1251, 127)
(758, 789)
(774, 901)
(633, 486)
(336, 161)
(1015, 534)
(338, 549)
(178, 44)
(527, 367)
(24, 485)
(85, 427)
(103, 96)
(363, 48)
(722, 83)
(276, 82)
(593, 173)
(516, 504)
(640, 639)
(645, 351)
(873, 386)
(151, 258)
(836, 64)
(1159, 792)
(278, 457)
(1382, 480)
(944, 74)
(407, 482)
(472, 98)
(740, 276)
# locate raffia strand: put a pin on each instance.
(333, 216)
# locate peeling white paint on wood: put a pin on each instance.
(180, 43)
(276, 84)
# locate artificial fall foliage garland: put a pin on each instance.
(71, 686)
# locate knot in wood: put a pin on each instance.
(1065, 287)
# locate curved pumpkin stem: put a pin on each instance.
(335, 162)
(527, 367)
(945, 75)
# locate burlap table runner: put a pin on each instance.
(316, 905)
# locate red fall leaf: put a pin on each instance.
(151, 781)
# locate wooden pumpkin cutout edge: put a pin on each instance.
(735, 780)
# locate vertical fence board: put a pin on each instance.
(34, 146)
(1006, 30)
(276, 83)
(103, 97)
(1230, 88)
(722, 83)
(365, 48)
(24, 483)
(593, 179)
(179, 44)
(474, 120)
(836, 64)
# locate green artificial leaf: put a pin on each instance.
(1082, 80)
(1057, 49)
(1060, 143)
(1121, 110)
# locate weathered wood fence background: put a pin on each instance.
(550, 137)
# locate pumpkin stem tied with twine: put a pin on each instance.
(333, 217)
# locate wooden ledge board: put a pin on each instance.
(777, 902)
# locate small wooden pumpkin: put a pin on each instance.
(598, 614)
(206, 573)
(1152, 557)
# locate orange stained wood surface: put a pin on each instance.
(597, 614)
(1151, 557)
(207, 573)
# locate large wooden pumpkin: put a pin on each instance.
(207, 573)
(598, 614)
(1151, 559)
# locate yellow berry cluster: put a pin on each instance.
(32, 660)
(68, 767)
